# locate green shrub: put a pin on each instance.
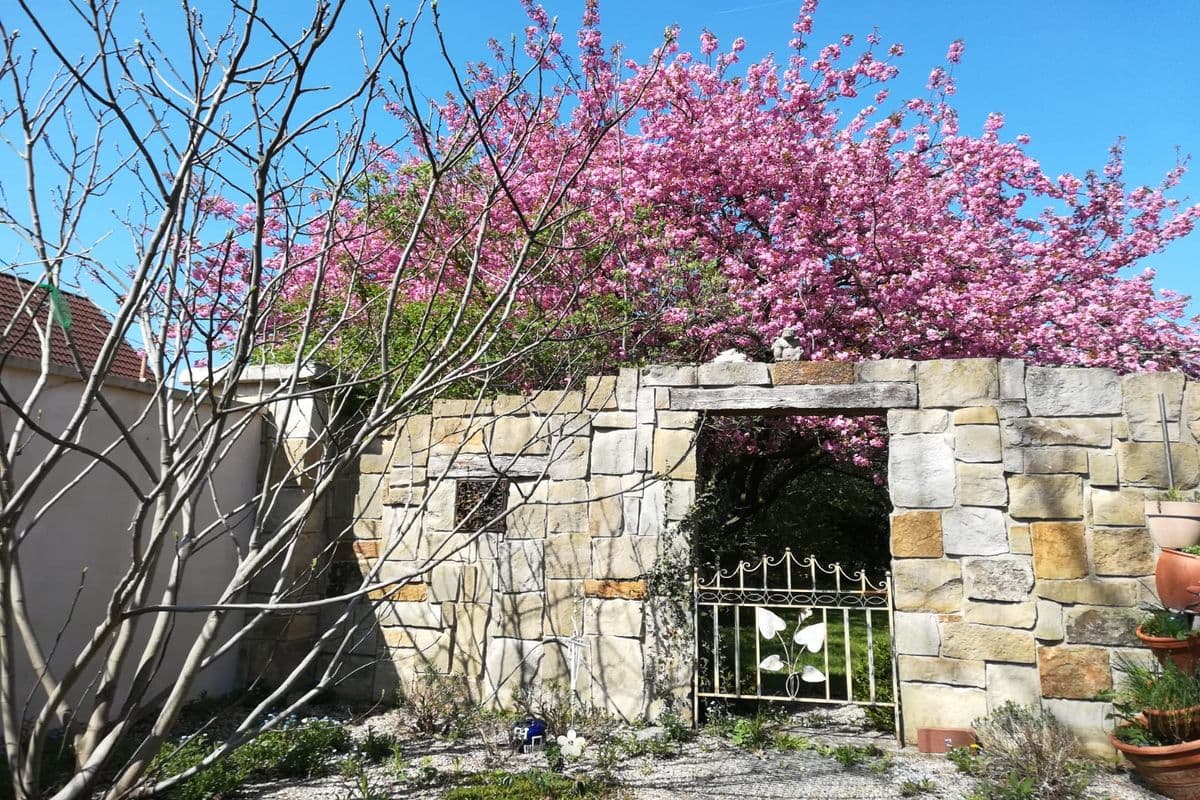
(217, 780)
(377, 747)
(914, 788)
(434, 701)
(1028, 753)
(294, 749)
(753, 732)
(966, 759)
(1167, 624)
(532, 785)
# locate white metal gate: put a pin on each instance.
(787, 629)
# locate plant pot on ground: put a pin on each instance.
(1171, 770)
(1176, 573)
(1169, 635)
(1160, 707)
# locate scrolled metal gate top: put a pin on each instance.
(842, 620)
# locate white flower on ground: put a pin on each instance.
(771, 664)
(769, 623)
(572, 744)
(811, 637)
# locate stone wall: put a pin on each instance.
(1020, 556)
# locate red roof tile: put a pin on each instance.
(89, 327)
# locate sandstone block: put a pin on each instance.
(978, 415)
(1089, 721)
(409, 615)
(445, 582)
(734, 373)
(417, 650)
(615, 419)
(675, 454)
(927, 585)
(973, 531)
(1077, 673)
(613, 617)
(1120, 508)
(1072, 391)
(1049, 626)
(687, 420)
(617, 676)
(669, 375)
(1020, 541)
(1086, 431)
(459, 434)
(569, 457)
(564, 608)
(612, 452)
(524, 435)
(519, 565)
(520, 616)
(605, 510)
(411, 444)
(823, 373)
(510, 665)
(600, 392)
(615, 589)
(977, 443)
(921, 471)
(982, 485)
(1045, 496)
(1002, 578)
(934, 705)
(1089, 591)
(1102, 625)
(1012, 379)
(1102, 468)
(1142, 464)
(1007, 615)
(622, 556)
(1122, 551)
(527, 509)
(1059, 550)
(958, 382)
(1012, 683)
(954, 671)
(567, 508)
(627, 388)
(1065, 458)
(916, 634)
(917, 534)
(988, 642)
(908, 420)
(1140, 391)
(889, 370)
(568, 555)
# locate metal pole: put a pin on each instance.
(1166, 434)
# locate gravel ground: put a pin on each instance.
(709, 768)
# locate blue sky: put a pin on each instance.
(1073, 74)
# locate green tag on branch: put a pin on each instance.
(59, 310)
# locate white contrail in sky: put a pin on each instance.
(755, 7)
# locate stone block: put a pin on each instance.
(556, 401)
(622, 556)
(418, 649)
(1124, 508)
(921, 471)
(1072, 391)
(1140, 391)
(1045, 496)
(520, 616)
(510, 665)
(1012, 683)
(669, 375)
(675, 454)
(445, 582)
(681, 496)
(977, 443)
(1020, 542)
(1036, 431)
(600, 393)
(1122, 552)
(411, 446)
(459, 434)
(616, 666)
(734, 373)
(934, 705)
(605, 515)
(569, 457)
(917, 534)
(1073, 672)
(1089, 591)
(627, 388)
(568, 555)
(979, 415)
(687, 420)
(982, 485)
(368, 500)
(988, 642)
(1142, 464)
(1049, 626)
(567, 507)
(613, 617)
(615, 419)
(1088, 720)
(1012, 379)
(1003, 578)
(527, 509)
(1102, 468)
(886, 370)
(902, 421)
(916, 634)
(955, 671)
(821, 373)
(1065, 458)
(927, 585)
(409, 615)
(524, 435)
(1006, 615)
(1059, 550)
(958, 382)
(973, 531)
(1102, 625)
(564, 608)
(612, 452)
(615, 589)
(519, 565)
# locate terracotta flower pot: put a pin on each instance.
(1173, 770)
(1173, 523)
(1174, 573)
(1184, 652)
(1178, 723)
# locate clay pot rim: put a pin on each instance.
(1169, 642)
(1159, 504)
(1155, 749)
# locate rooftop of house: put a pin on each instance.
(87, 330)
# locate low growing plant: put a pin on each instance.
(434, 701)
(1166, 624)
(531, 785)
(1030, 753)
(914, 788)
